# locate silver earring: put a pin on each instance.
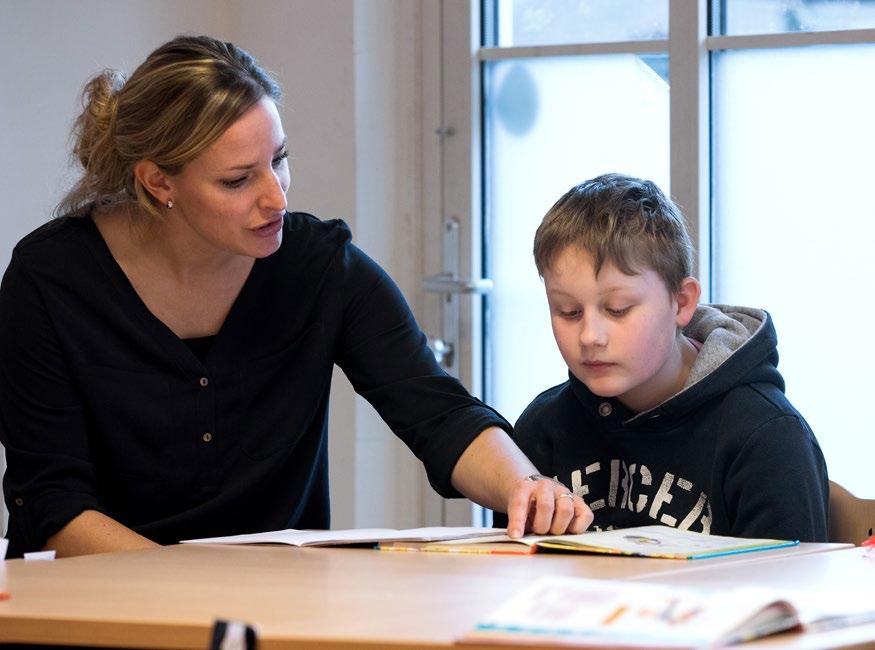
(169, 204)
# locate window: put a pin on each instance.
(550, 122)
(792, 136)
(759, 108)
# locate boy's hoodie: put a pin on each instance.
(727, 455)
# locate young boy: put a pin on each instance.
(674, 413)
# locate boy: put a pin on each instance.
(673, 413)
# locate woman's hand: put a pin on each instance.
(542, 506)
(493, 472)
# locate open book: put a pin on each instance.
(645, 541)
(295, 537)
(558, 610)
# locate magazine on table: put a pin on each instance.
(559, 610)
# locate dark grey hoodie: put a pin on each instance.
(727, 455)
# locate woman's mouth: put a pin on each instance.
(269, 229)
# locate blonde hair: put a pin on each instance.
(175, 104)
(619, 219)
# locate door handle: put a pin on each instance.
(446, 283)
(451, 286)
(443, 351)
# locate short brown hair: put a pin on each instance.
(180, 100)
(619, 219)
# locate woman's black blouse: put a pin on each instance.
(102, 407)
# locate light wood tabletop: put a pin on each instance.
(315, 597)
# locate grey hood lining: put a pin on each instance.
(722, 330)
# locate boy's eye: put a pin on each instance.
(571, 313)
(618, 312)
(280, 158)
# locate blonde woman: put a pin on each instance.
(167, 342)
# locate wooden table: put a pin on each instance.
(324, 598)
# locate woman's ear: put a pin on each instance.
(687, 300)
(153, 180)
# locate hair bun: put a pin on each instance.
(99, 105)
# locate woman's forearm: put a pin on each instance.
(93, 532)
(493, 472)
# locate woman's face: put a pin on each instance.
(232, 197)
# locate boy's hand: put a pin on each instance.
(543, 506)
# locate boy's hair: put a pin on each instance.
(619, 219)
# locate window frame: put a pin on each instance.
(463, 57)
(689, 48)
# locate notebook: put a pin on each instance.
(294, 537)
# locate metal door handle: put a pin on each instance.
(446, 283)
(443, 351)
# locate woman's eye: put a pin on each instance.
(618, 312)
(573, 313)
(280, 158)
(237, 182)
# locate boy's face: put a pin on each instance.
(618, 333)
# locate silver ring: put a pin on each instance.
(568, 495)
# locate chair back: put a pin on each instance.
(851, 519)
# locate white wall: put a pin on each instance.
(350, 71)
(49, 49)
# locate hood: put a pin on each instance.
(723, 330)
(739, 346)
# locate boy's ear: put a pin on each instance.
(153, 180)
(687, 300)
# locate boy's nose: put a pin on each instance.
(592, 333)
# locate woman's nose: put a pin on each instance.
(274, 197)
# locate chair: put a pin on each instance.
(851, 519)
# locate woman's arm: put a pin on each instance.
(459, 439)
(493, 472)
(94, 532)
(50, 478)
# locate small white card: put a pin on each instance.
(39, 555)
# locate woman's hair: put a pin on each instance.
(178, 102)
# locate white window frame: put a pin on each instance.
(689, 48)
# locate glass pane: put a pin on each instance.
(554, 22)
(794, 228)
(778, 16)
(552, 123)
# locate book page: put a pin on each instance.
(648, 541)
(294, 537)
(661, 541)
(819, 611)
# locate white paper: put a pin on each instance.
(39, 556)
(295, 537)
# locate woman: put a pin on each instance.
(167, 343)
